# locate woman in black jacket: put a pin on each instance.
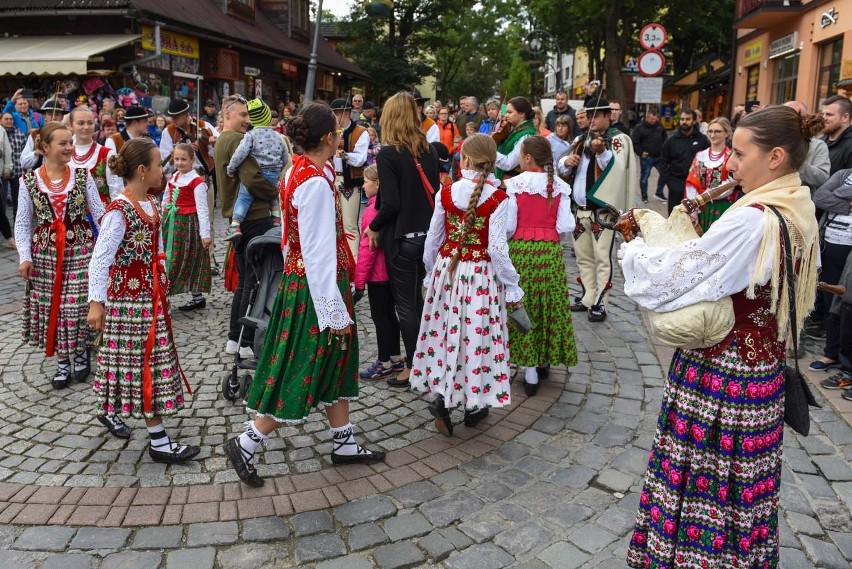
(408, 171)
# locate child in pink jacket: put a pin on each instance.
(371, 269)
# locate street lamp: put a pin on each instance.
(544, 68)
(311, 81)
(536, 40)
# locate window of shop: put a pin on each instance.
(830, 58)
(784, 83)
(752, 77)
(301, 14)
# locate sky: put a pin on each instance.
(338, 7)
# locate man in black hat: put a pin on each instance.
(427, 125)
(53, 110)
(135, 125)
(349, 164)
(184, 129)
(209, 114)
(369, 119)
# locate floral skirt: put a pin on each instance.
(72, 333)
(711, 489)
(118, 383)
(712, 212)
(547, 300)
(189, 264)
(462, 353)
(300, 367)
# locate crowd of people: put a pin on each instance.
(451, 224)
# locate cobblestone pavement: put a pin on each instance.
(551, 482)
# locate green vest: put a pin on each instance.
(526, 128)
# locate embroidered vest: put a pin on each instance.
(98, 173)
(426, 124)
(474, 243)
(526, 128)
(352, 176)
(188, 136)
(72, 206)
(119, 139)
(536, 221)
(130, 273)
(185, 200)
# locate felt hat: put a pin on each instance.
(53, 106)
(418, 98)
(177, 107)
(341, 105)
(593, 104)
(135, 112)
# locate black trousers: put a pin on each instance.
(5, 227)
(833, 258)
(247, 278)
(676, 189)
(383, 313)
(406, 272)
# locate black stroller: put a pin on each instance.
(264, 254)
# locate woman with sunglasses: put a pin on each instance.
(708, 170)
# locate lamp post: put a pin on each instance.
(310, 83)
(535, 42)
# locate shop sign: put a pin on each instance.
(171, 43)
(649, 90)
(783, 45)
(828, 17)
(251, 71)
(846, 69)
(289, 68)
(753, 52)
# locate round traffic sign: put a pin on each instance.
(653, 36)
(651, 63)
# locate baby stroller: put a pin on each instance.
(264, 254)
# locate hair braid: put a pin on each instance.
(470, 212)
(549, 169)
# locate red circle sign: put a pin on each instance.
(653, 36)
(651, 63)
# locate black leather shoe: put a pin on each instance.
(115, 427)
(80, 360)
(579, 307)
(597, 313)
(371, 457)
(543, 371)
(245, 470)
(531, 388)
(393, 382)
(472, 418)
(194, 304)
(63, 375)
(188, 453)
(442, 417)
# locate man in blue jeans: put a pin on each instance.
(648, 138)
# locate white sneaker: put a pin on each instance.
(231, 347)
(246, 353)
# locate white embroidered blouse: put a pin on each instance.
(200, 195)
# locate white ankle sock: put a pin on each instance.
(250, 440)
(531, 375)
(81, 360)
(344, 441)
(160, 440)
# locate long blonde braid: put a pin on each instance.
(539, 149)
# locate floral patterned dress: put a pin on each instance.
(706, 173)
(185, 223)
(462, 351)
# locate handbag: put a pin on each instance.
(797, 393)
(521, 319)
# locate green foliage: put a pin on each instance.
(517, 83)
(694, 34)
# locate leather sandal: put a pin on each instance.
(115, 426)
(187, 452)
(245, 469)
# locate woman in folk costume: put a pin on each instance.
(54, 253)
(462, 356)
(709, 170)
(514, 127)
(92, 156)
(711, 489)
(540, 210)
(138, 373)
(310, 355)
(186, 230)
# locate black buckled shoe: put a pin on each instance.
(194, 304)
(403, 383)
(531, 388)
(63, 375)
(82, 366)
(176, 455)
(364, 457)
(597, 313)
(115, 426)
(442, 416)
(472, 418)
(579, 307)
(543, 371)
(245, 469)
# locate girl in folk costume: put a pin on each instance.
(310, 355)
(541, 204)
(513, 128)
(462, 356)
(186, 230)
(711, 489)
(138, 371)
(92, 156)
(709, 170)
(54, 253)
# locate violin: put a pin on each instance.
(501, 133)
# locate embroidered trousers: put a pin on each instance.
(350, 209)
(593, 246)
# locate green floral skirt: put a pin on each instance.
(712, 212)
(548, 302)
(300, 367)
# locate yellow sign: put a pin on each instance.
(171, 43)
(753, 52)
(846, 69)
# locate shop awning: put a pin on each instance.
(55, 55)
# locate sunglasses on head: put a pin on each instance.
(234, 99)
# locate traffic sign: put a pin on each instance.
(653, 36)
(651, 63)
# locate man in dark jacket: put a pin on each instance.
(561, 108)
(677, 155)
(648, 138)
(837, 113)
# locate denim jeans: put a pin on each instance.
(648, 163)
(245, 199)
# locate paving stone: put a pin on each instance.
(484, 526)
(456, 537)
(348, 562)
(417, 493)
(483, 555)
(562, 555)
(834, 468)
(364, 510)
(573, 477)
(366, 536)
(591, 538)
(44, 538)
(161, 537)
(794, 559)
(398, 556)
(518, 540)
(824, 554)
(132, 559)
(265, 529)
(100, 538)
(18, 559)
(212, 533)
(445, 511)
(617, 520)
(799, 460)
(436, 546)
(253, 556)
(406, 526)
(569, 515)
(69, 561)
(197, 558)
(310, 523)
(802, 524)
(843, 542)
(615, 480)
(319, 547)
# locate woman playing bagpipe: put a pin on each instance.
(710, 497)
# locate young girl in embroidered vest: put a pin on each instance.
(54, 254)
(462, 357)
(138, 371)
(310, 355)
(92, 156)
(540, 212)
(371, 272)
(186, 230)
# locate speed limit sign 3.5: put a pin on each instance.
(653, 36)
